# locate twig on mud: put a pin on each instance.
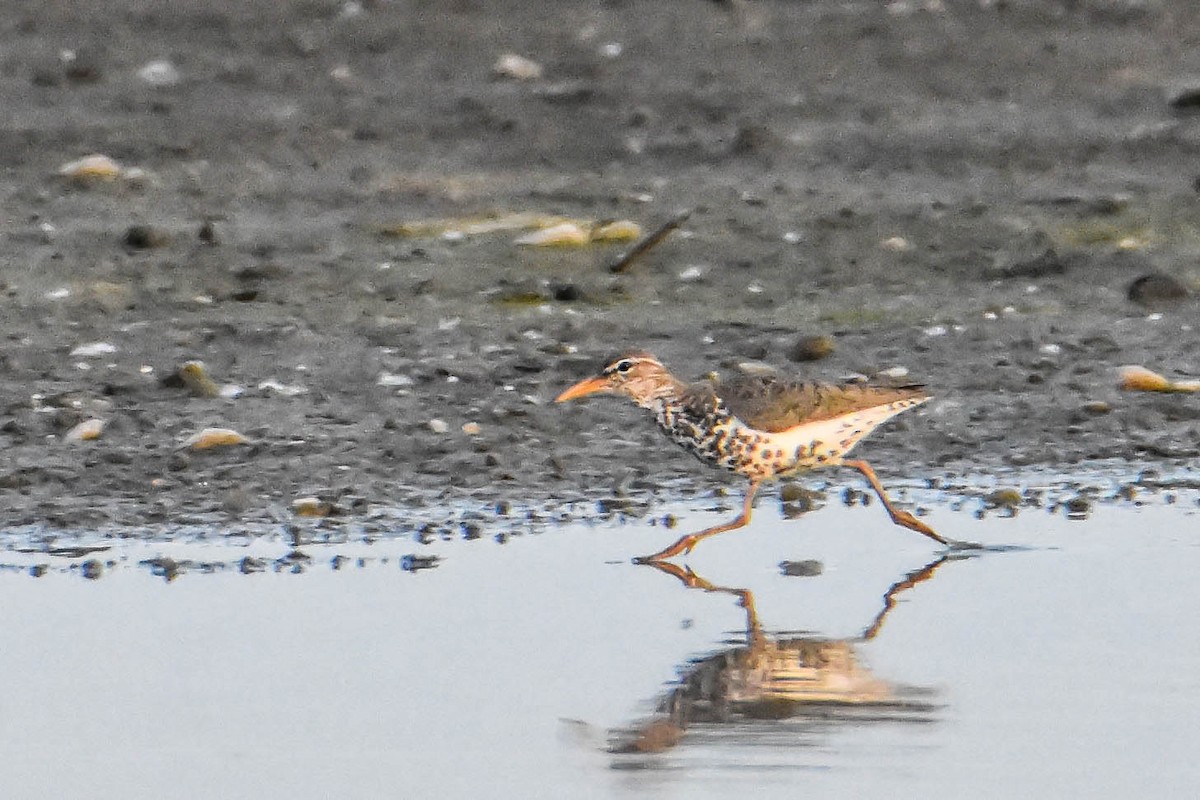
(641, 248)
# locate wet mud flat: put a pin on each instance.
(958, 194)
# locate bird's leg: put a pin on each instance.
(686, 543)
(899, 517)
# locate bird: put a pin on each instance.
(760, 426)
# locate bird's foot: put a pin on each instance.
(681, 547)
(907, 520)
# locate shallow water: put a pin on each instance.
(1071, 668)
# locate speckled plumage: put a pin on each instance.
(761, 427)
(765, 427)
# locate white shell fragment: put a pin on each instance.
(94, 350)
(282, 389)
(394, 379)
(518, 68)
(159, 73)
(85, 431)
(95, 167)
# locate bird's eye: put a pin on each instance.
(624, 366)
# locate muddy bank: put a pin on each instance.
(966, 193)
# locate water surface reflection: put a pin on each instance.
(745, 690)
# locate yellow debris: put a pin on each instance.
(95, 167)
(568, 234)
(1136, 378)
(215, 437)
(620, 230)
(311, 507)
(195, 377)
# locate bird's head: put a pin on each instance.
(638, 376)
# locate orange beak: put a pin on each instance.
(583, 389)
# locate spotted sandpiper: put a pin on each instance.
(759, 426)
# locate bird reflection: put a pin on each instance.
(773, 678)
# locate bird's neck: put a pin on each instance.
(686, 417)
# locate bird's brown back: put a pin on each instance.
(774, 404)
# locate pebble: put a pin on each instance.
(273, 386)
(94, 350)
(472, 428)
(438, 425)
(1157, 289)
(311, 507)
(1002, 498)
(85, 431)
(811, 348)
(518, 68)
(160, 73)
(1184, 96)
(145, 237)
(194, 375)
(808, 568)
(1078, 507)
(896, 244)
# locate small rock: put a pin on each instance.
(415, 563)
(91, 569)
(1002, 498)
(85, 431)
(472, 428)
(394, 379)
(1077, 507)
(1097, 407)
(194, 375)
(808, 568)
(515, 67)
(81, 66)
(811, 348)
(1185, 97)
(311, 507)
(438, 425)
(791, 492)
(273, 386)
(94, 350)
(567, 293)
(897, 244)
(207, 232)
(1156, 289)
(1048, 262)
(144, 237)
(160, 73)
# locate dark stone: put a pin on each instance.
(808, 568)
(1048, 262)
(811, 348)
(145, 237)
(1157, 289)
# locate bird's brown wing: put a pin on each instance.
(774, 404)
